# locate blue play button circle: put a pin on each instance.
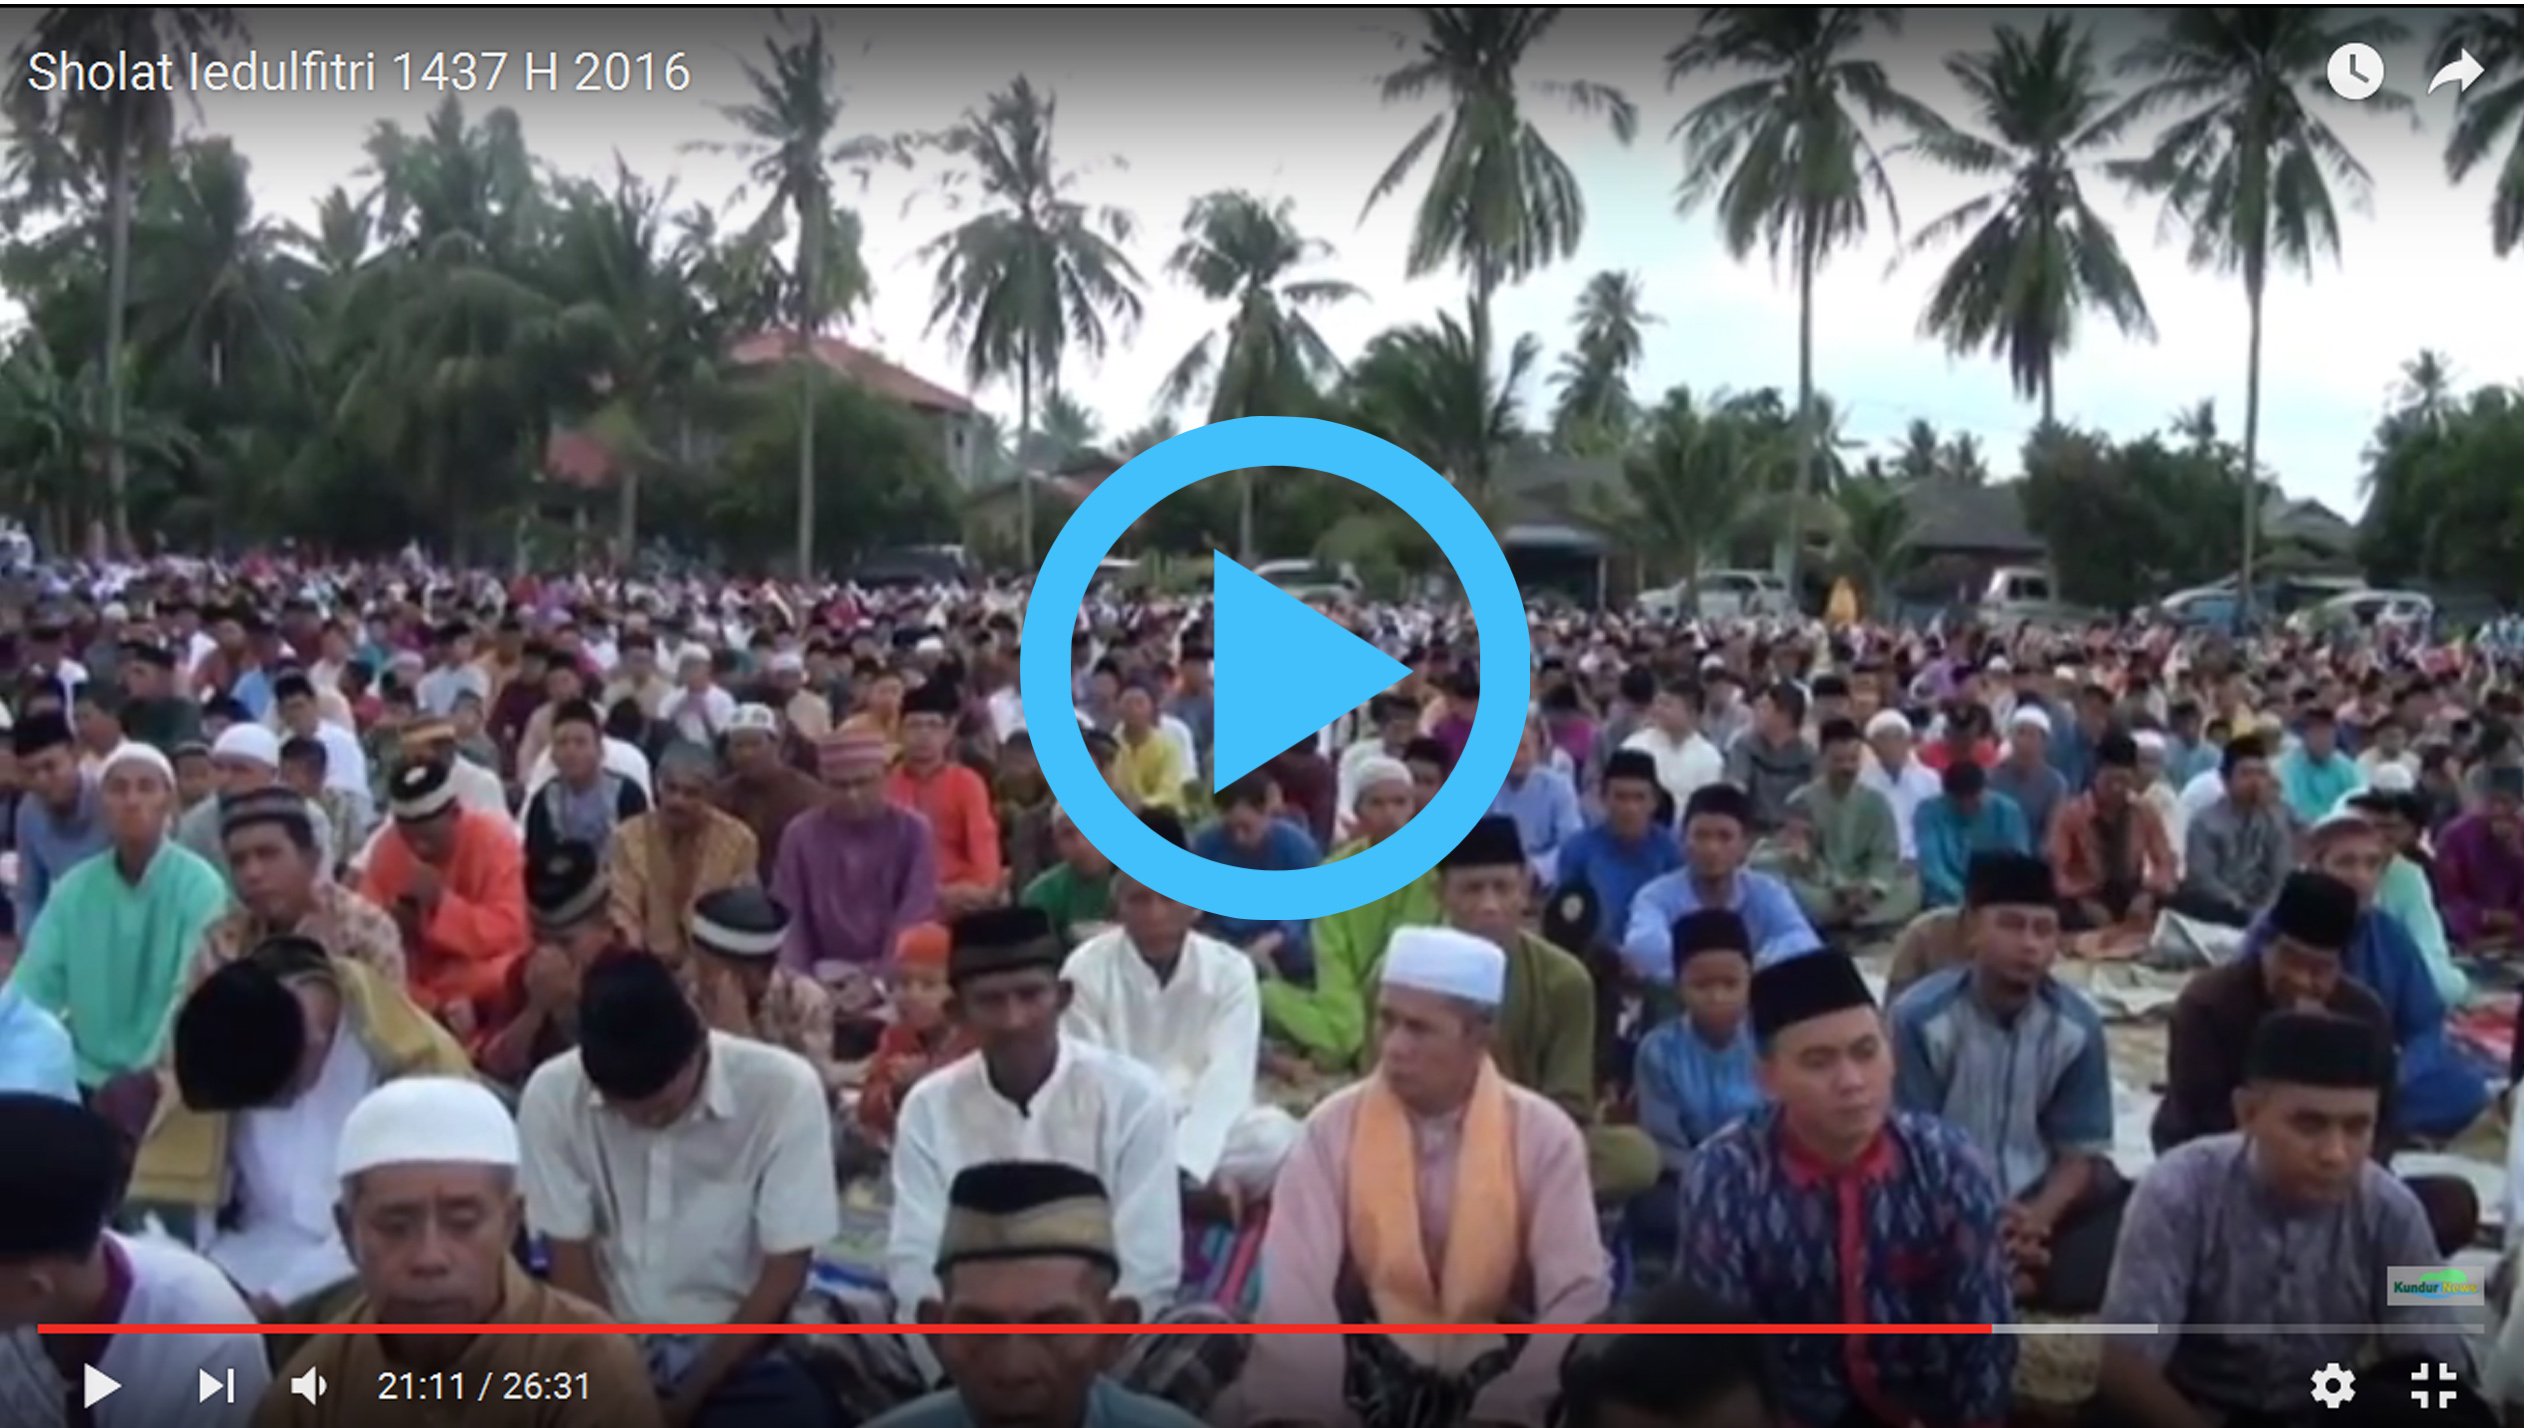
(1283, 670)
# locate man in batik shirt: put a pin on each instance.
(1773, 1205)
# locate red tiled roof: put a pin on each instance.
(858, 364)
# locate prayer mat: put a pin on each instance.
(2487, 1027)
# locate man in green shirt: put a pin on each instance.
(1544, 1038)
(1076, 893)
(1326, 1022)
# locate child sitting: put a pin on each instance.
(1694, 1074)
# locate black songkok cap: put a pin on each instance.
(1001, 939)
(1569, 919)
(2315, 909)
(934, 696)
(54, 1201)
(565, 886)
(2116, 750)
(1492, 843)
(1027, 1209)
(1166, 824)
(237, 1038)
(2000, 877)
(1630, 763)
(35, 733)
(741, 922)
(636, 1028)
(1803, 987)
(1710, 929)
(1719, 800)
(2319, 1048)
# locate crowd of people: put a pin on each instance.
(404, 948)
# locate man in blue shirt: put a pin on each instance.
(1717, 834)
(1543, 803)
(1622, 851)
(35, 1050)
(1248, 834)
(2016, 1060)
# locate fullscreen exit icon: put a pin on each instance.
(2444, 1395)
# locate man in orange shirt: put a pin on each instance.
(454, 878)
(954, 800)
(2109, 848)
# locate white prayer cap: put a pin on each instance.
(788, 662)
(1887, 721)
(250, 742)
(1442, 960)
(2149, 742)
(754, 719)
(1999, 666)
(427, 1120)
(2030, 719)
(130, 752)
(2392, 778)
(1377, 769)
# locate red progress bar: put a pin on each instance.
(93, 1330)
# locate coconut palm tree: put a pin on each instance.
(2036, 251)
(1034, 275)
(1596, 412)
(1501, 204)
(117, 133)
(2246, 166)
(1426, 390)
(2495, 37)
(1696, 481)
(791, 145)
(1872, 536)
(1268, 360)
(1782, 161)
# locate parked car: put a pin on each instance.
(1722, 595)
(1311, 579)
(2367, 610)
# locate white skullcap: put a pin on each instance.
(788, 662)
(1377, 769)
(2149, 742)
(250, 742)
(1887, 721)
(2030, 719)
(427, 1120)
(129, 752)
(929, 645)
(754, 719)
(1451, 963)
(2000, 666)
(2392, 778)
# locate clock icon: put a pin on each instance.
(2357, 71)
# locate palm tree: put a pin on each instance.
(2037, 251)
(1037, 271)
(2425, 393)
(2495, 37)
(117, 133)
(1426, 390)
(1783, 162)
(1695, 483)
(1501, 204)
(792, 143)
(2246, 166)
(1873, 539)
(1596, 411)
(1271, 362)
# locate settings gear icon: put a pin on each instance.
(2334, 1386)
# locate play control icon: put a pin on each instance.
(96, 1387)
(2357, 71)
(1292, 672)
(213, 1386)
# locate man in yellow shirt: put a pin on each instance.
(1148, 764)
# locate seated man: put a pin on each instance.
(1836, 1168)
(1717, 834)
(537, 1015)
(921, 1038)
(1249, 834)
(2285, 1222)
(1076, 892)
(271, 1053)
(1694, 1074)
(1625, 849)
(1966, 817)
(2405, 891)
(1848, 874)
(1029, 1242)
(2016, 1060)
(1544, 1033)
(2238, 846)
(683, 1176)
(2300, 967)
(738, 933)
(454, 878)
(285, 890)
(1324, 1019)
(1381, 1217)
(64, 1266)
(1186, 1007)
(2115, 863)
(2479, 869)
(427, 1175)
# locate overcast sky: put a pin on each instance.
(1281, 103)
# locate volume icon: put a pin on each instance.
(308, 1385)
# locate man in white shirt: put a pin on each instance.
(61, 1266)
(1189, 1008)
(1896, 772)
(1686, 761)
(682, 1177)
(699, 710)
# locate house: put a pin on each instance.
(581, 459)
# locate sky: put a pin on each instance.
(1160, 105)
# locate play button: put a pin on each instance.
(1284, 671)
(95, 1387)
